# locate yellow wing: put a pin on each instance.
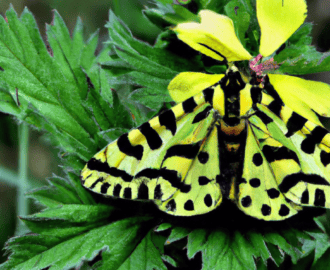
(266, 161)
(167, 160)
(300, 163)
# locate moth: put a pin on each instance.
(235, 140)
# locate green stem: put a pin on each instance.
(23, 184)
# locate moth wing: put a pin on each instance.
(258, 192)
(201, 192)
(315, 133)
(310, 184)
(145, 163)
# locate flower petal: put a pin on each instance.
(303, 96)
(188, 84)
(278, 20)
(214, 36)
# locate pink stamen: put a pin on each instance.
(258, 69)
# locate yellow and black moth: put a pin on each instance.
(235, 139)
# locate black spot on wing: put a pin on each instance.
(319, 199)
(171, 205)
(296, 122)
(246, 201)
(153, 139)
(256, 95)
(305, 197)
(255, 182)
(189, 105)
(203, 157)
(143, 192)
(273, 153)
(311, 140)
(202, 180)
(266, 210)
(257, 159)
(325, 158)
(189, 151)
(99, 180)
(264, 117)
(158, 192)
(105, 187)
(127, 148)
(116, 190)
(284, 210)
(99, 166)
(275, 107)
(208, 95)
(293, 179)
(169, 175)
(128, 193)
(168, 120)
(189, 205)
(202, 115)
(273, 193)
(208, 200)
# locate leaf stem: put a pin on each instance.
(23, 183)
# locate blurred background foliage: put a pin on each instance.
(42, 159)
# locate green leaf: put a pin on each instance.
(53, 85)
(169, 14)
(259, 245)
(220, 250)
(241, 18)
(299, 57)
(320, 243)
(178, 233)
(146, 256)
(7, 103)
(139, 64)
(58, 193)
(215, 5)
(68, 253)
(76, 213)
(323, 262)
(163, 227)
(84, 196)
(276, 239)
(277, 254)
(148, 97)
(196, 242)
(113, 133)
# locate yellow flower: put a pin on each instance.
(215, 37)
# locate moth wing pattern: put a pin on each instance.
(309, 183)
(204, 191)
(163, 160)
(258, 192)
